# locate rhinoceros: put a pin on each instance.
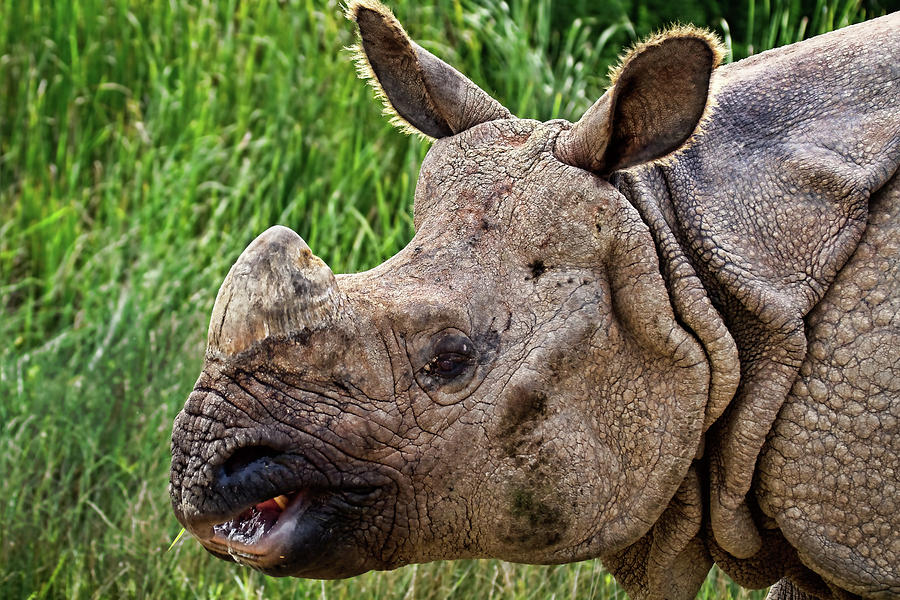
(666, 335)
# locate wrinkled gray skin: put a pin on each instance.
(587, 350)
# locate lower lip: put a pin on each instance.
(262, 533)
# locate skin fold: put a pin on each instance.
(665, 336)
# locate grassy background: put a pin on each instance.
(142, 146)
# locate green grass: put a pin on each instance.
(142, 146)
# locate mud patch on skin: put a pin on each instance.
(525, 410)
(534, 520)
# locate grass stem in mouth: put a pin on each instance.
(175, 541)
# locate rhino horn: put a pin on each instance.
(277, 287)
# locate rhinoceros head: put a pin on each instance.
(512, 384)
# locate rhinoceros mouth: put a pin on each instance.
(288, 534)
(261, 527)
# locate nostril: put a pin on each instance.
(244, 457)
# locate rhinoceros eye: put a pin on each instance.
(448, 365)
(451, 355)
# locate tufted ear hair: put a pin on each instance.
(656, 100)
(423, 93)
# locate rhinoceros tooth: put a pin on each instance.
(275, 288)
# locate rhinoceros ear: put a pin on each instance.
(657, 98)
(423, 93)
